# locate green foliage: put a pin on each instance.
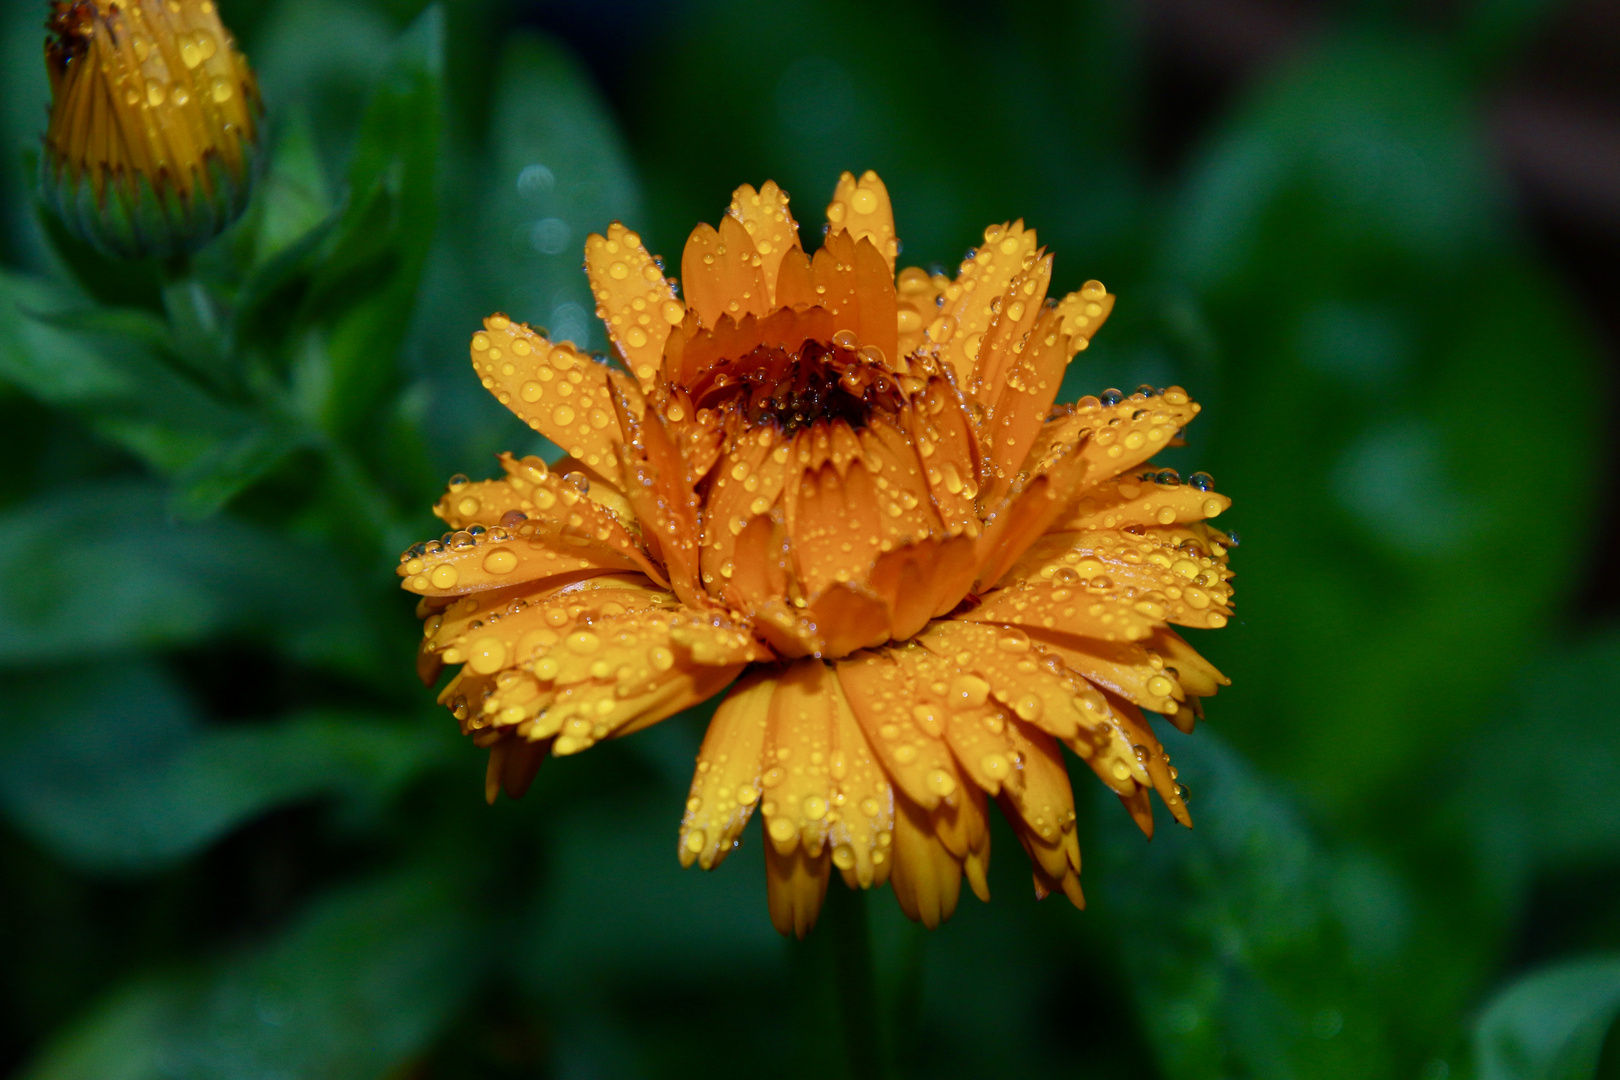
(1549, 1025)
(385, 958)
(240, 840)
(1256, 951)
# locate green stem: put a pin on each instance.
(195, 322)
(854, 983)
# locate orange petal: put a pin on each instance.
(915, 307)
(1120, 584)
(927, 878)
(795, 886)
(849, 617)
(513, 763)
(481, 502)
(1041, 807)
(1004, 663)
(1010, 325)
(798, 787)
(1127, 669)
(969, 300)
(664, 504)
(764, 214)
(1023, 516)
(1021, 400)
(633, 299)
(835, 523)
(862, 208)
(722, 274)
(1140, 500)
(585, 662)
(878, 325)
(921, 581)
(742, 493)
(1084, 312)
(1126, 434)
(832, 272)
(903, 730)
(940, 428)
(569, 536)
(902, 491)
(1157, 762)
(725, 785)
(861, 823)
(555, 389)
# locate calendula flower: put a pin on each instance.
(849, 498)
(154, 124)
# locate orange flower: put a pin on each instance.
(154, 124)
(850, 499)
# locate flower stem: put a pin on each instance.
(854, 984)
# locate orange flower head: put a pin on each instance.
(154, 124)
(850, 498)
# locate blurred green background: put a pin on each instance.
(1379, 241)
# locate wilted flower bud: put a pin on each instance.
(154, 124)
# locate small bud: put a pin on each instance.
(154, 124)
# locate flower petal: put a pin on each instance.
(795, 886)
(1083, 313)
(1139, 500)
(861, 823)
(1006, 664)
(927, 878)
(555, 389)
(634, 300)
(916, 292)
(1041, 807)
(722, 273)
(903, 729)
(968, 308)
(1011, 323)
(513, 763)
(725, 784)
(862, 208)
(798, 787)
(765, 217)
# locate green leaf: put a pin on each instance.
(229, 468)
(365, 287)
(107, 570)
(362, 983)
(1250, 945)
(111, 771)
(294, 198)
(1561, 726)
(114, 368)
(1550, 1025)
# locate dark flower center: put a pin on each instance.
(792, 390)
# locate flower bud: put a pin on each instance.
(154, 124)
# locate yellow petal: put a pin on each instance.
(862, 208)
(1083, 312)
(970, 299)
(633, 299)
(889, 705)
(861, 823)
(555, 389)
(765, 217)
(725, 785)
(795, 886)
(798, 788)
